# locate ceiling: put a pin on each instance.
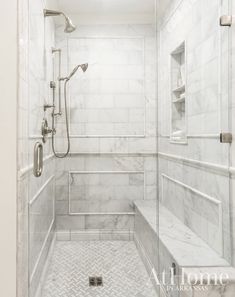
(107, 6)
(108, 11)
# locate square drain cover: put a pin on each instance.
(95, 281)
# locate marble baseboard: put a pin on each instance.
(151, 270)
(120, 222)
(91, 235)
(46, 267)
(143, 254)
(37, 277)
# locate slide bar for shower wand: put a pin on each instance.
(55, 50)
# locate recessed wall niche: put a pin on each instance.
(178, 95)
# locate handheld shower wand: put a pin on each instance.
(66, 79)
(82, 66)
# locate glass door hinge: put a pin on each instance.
(226, 137)
(226, 20)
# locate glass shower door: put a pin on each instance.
(194, 148)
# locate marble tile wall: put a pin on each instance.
(112, 123)
(102, 192)
(202, 34)
(197, 23)
(106, 192)
(186, 194)
(116, 96)
(35, 195)
(109, 98)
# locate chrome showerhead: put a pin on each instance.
(69, 27)
(82, 66)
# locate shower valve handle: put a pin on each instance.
(46, 106)
(45, 130)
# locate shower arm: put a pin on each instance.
(58, 78)
(48, 12)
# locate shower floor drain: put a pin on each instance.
(95, 281)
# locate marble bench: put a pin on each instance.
(184, 245)
(175, 244)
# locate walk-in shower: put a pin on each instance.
(143, 199)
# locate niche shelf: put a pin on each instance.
(178, 95)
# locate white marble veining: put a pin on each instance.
(226, 273)
(185, 192)
(207, 98)
(116, 96)
(112, 110)
(105, 192)
(113, 100)
(102, 185)
(184, 245)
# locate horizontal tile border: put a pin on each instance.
(215, 168)
(93, 235)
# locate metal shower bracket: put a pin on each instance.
(227, 20)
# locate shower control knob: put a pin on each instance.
(52, 85)
(45, 130)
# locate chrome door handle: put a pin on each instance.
(38, 159)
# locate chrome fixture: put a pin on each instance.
(54, 114)
(226, 20)
(38, 159)
(45, 130)
(226, 137)
(69, 27)
(173, 270)
(52, 84)
(82, 66)
(95, 281)
(47, 106)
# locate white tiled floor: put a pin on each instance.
(118, 262)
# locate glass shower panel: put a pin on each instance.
(193, 112)
(41, 190)
(94, 193)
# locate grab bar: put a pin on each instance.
(38, 159)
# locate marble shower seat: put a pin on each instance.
(185, 247)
